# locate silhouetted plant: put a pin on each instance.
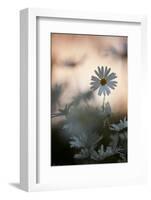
(92, 131)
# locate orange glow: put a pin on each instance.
(74, 59)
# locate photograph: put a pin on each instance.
(89, 99)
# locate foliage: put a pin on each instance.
(94, 134)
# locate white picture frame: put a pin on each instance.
(29, 148)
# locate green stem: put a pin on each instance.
(104, 103)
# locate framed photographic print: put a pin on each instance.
(81, 99)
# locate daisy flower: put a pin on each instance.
(104, 81)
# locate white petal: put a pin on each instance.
(107, 90)
(113, 82)
(111, 76)
(91, 83)
(103, 70)
(95, 82)
(97, 73)
(107, 72)
(94, 78)
(99, 70)
(111, 86)
(104, 92)
(95, 85)
(101, 89)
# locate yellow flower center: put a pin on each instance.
(103, 81)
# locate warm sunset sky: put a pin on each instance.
(75, 57)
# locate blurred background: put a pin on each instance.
(73, 61)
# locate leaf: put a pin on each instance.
(75, 142)
(84, 153)
(86, 140)
(101, 154)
